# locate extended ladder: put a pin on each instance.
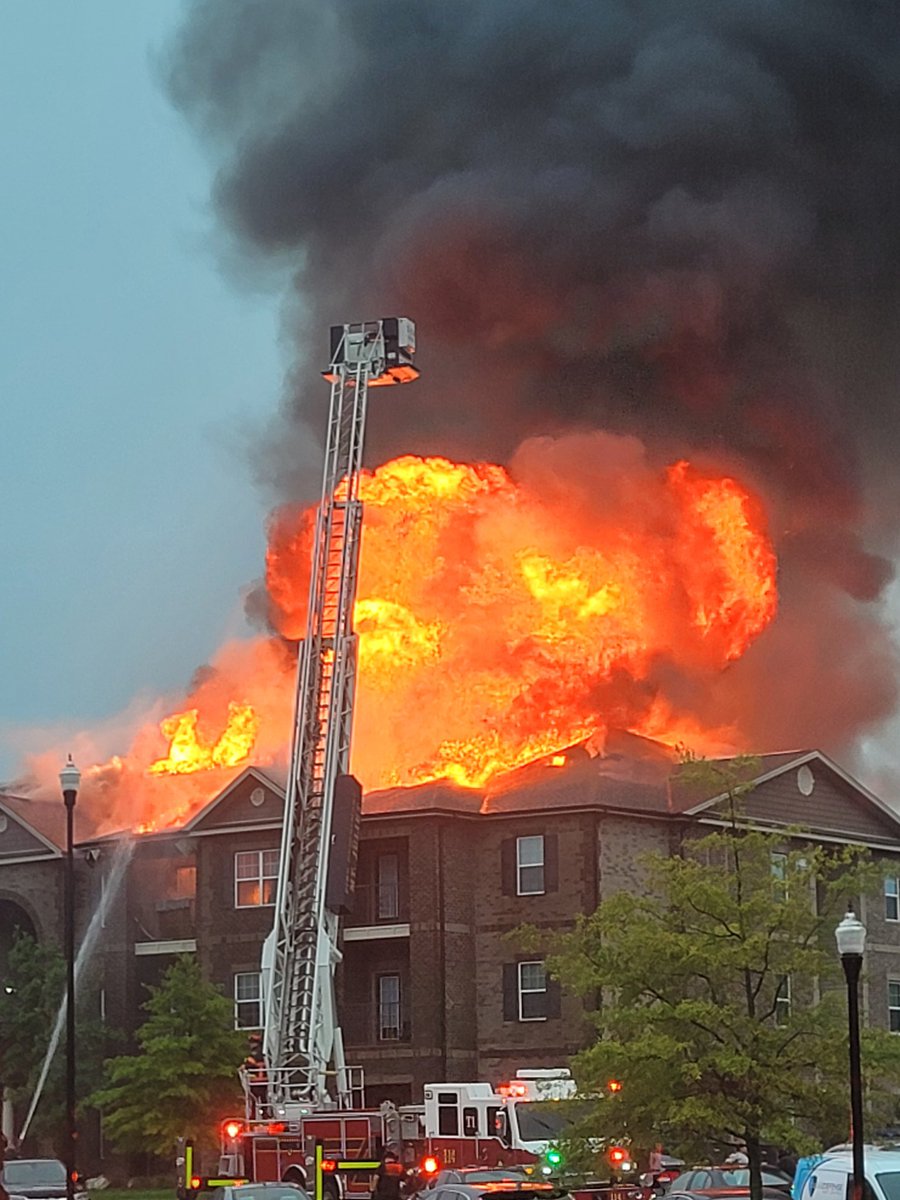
(302, 1034)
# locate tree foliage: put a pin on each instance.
(721, 1002)
(184, 1078)
(33, 991)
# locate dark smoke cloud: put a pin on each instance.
(674, 220)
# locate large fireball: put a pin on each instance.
(504, 614)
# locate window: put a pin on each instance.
(892, 898)
(388, 1008)
(185, 883)
(247, 1000)
(894, 1005)
(448, 1114)
(388, 887)
(532, 991)
(255, 877)
(783, 1001)
(530, 866)
(779, 874)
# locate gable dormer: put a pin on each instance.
(252, 800)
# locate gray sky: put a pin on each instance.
(131, 372)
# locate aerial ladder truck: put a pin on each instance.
(302, 1035)
(300, 1093)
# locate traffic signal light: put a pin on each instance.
(617, 1156)
(553, 1156)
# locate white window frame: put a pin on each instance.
(895, 1007)
(260, 877)
(892, 894)
(783, 1002)
(523, 991)
(240, 1000)
(529, 862)
(387, 892)
(389, 1028)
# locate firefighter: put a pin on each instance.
(390, 1178)
(255, 1067)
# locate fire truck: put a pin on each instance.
(303, 1102)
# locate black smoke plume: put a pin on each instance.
(672, 220)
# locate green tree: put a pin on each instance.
(720, 1006)
(33, 990)
(184, 1078)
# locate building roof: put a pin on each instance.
(626, 774)
(44, 819)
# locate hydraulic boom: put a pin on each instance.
(302, 1036)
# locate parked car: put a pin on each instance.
(729, 1181)
(263, 1191)
(829, 1177)
(498, 1189)
(37, 1179)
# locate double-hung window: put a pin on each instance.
(894, 1005)
(388, 1008)
(255, 878)
(783, 1001)
(891, 898)
(247, 1000)
(530, 866)
(532, 991)
(388, 887)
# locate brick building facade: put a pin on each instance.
(433, 983)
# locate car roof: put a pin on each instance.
(886, 1160)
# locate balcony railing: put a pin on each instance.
(377, 904)
(375, 1024)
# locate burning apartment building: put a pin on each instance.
(433, 983)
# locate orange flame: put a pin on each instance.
(188, 752)
(502, 615)
(500, 619)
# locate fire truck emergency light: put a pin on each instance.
(614, 1085)
(232, 1129)
(617, 1155)
(430, 1165)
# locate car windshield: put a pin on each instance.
(890, 1184)
(33, 1173)
(543, 1119)
(740, 1178)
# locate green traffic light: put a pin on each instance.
(554, 1158)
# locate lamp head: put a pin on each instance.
(850, 936)
(69, 777)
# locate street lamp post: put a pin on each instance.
(69, 779)
(851, 942)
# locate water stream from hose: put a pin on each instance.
(120, 860)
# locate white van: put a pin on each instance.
(832, 1177)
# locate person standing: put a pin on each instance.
(389, 1178)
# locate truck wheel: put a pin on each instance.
(294, 1175)
(330, 1190)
